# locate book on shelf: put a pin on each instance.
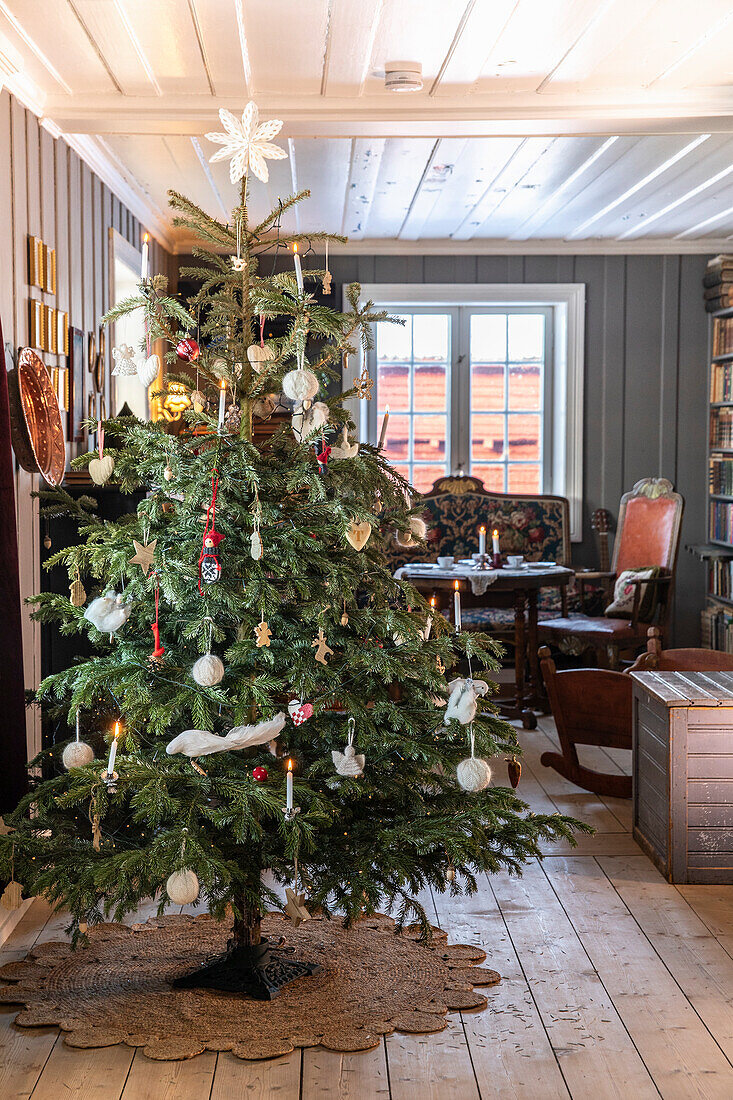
(720, 578)
(721, 521)
(716, 628)
(721, 428)
(721, 381)
(719, 291)
(722, 335)
(716, 276)
(720, 474)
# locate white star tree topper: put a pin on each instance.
(247, 143)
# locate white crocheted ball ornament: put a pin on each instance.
(418, 527)
(473, 774)
(77, 754)
(182, 887)
(208, 670)
(300, 385)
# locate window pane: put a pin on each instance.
(487, 437)
(430, 388)
(404, 471)
(394, 342)
(523, 436)
(492, 477)
(423, 477)
(526, 337)
(430, 437)
(487, 386)
(430, 336)
(397, 443)
(524, 479)
(393, 387)
(488, 337)
(525, 387)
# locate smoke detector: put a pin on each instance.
(403, 76)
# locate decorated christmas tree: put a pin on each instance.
(285, 711)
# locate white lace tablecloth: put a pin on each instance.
(479, 579)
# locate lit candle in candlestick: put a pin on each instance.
(383, 433)
(495, 541)
(113, 750)
(456, 605)
(145, 265)
(289, 787)
(222, 401)
(482, 541)
(429, 620)
(298, 269)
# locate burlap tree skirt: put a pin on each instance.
(117, 989)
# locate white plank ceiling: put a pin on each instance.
(583, 125)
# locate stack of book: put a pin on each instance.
(718, 283)
(717, 629)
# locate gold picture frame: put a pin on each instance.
(36, 320)
(49, 269)
(49, 330)
(35, 262)
(62, 332)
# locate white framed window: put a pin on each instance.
(480, 378)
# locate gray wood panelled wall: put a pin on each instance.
(48, 192)
(645, 377)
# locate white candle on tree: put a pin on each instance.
(456, 605)
(429, 620)
(383, 433)
(495, 541)
(222, 401)
(482, 541)
(298, 269)
(289, 787)
(145, 264)
(113, 750)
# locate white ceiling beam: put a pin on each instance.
(597, 15)
(34, 47)
(136, 45)
(436, 174)
(244, 49)
(206, 169)
(710, 33)
(642, 226)
(366, 158)
(453, 46)
(696, 230)
(477, 116)
(648, 178)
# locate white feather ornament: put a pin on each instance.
(183, 887)
(265, 406)
(313, 419)
(203, 743)
(463, 700)
(107, 614)
(208, 670)
(300, 385)
(148, 371)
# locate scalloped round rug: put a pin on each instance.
(117, 989)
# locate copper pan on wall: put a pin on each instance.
(38, 433)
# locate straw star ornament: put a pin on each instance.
(247, 144)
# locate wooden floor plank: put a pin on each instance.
(597, 1057)
(331, 1076)
(23, 1054)
(275, 1080)
(612, 844)
(511, 1054)
(431, 1067)
(151, 1080)
(568, 798)
(677, 1049)
(592, 756)
(697, 962)
(84, 1074)
(714, 907)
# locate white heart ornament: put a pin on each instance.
(148, 371)
(357, 534)
(259, 355)
(100, 469)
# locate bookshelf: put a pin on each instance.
(717, 616)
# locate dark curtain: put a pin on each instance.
(13, 753)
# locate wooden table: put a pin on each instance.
(520, 587)
(683, 773)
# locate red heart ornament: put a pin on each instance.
(299, 712)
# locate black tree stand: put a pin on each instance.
(251, 964)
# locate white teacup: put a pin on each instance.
(445, 562)
(515, 560)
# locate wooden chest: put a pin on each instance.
(683, 773)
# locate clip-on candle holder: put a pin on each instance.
(482, 561)
(290, 813)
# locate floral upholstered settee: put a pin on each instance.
(536, 526)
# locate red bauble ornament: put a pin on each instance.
(260, 774)
(188, 350)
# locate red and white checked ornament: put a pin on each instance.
(299, 712)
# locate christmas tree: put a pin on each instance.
(279, 698)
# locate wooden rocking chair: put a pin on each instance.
(590, 707)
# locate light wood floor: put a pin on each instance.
(616, 984)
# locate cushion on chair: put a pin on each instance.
(624, 591)
(596, 631)
(495, 618)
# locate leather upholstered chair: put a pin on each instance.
(647, 536)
